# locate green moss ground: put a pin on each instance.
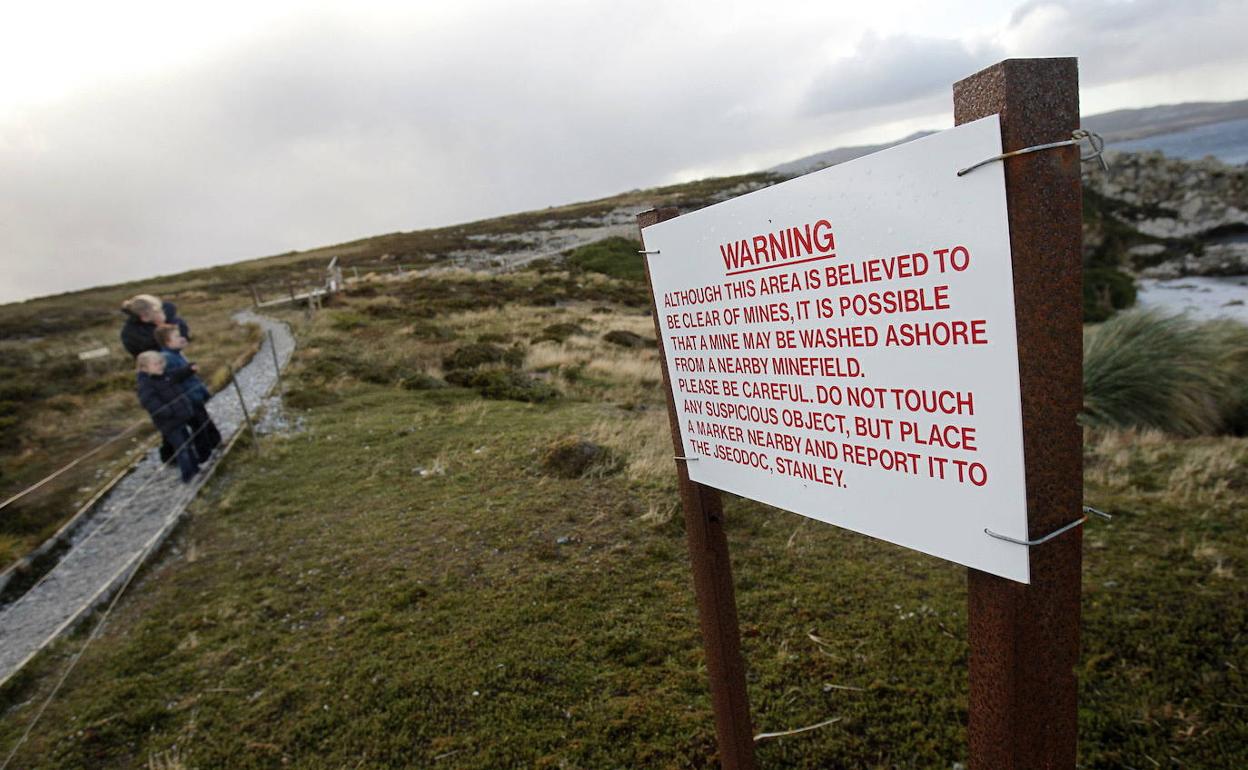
(400, 586)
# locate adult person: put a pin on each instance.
(143, 314)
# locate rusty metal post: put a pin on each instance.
(255, 440)
(712, 579)
(1024, 639)
(255, 297)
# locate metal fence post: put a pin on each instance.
(255, 440)
(277, 367)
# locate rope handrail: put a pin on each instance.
(91, 453)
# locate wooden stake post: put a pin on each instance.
(1025, 638)
(712, 581)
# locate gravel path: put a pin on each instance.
(130, 522)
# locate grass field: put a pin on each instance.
(406, 582)
(54, 408)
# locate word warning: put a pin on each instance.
(842, 345)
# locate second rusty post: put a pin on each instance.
(712, 578)
(1024, 639)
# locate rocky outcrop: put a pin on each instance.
(1162, 217)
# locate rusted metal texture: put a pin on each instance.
(1025, 638)
(712, 579)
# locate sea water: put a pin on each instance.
(1226, 141)
(1202, 298)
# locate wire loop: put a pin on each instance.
(1046, 538)
(1076, 137)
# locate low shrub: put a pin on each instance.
(329, 365)
(421, 381)
(504, 384)
(559, 332)
(308, 397)
(617, 257)
(478, 354)
(347, 321)
(427, 330)
(628, 339)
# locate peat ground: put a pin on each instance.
(405, 583)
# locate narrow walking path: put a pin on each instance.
(131, 521)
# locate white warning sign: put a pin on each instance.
(842, 345)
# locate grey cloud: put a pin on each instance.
(332, 129)
(889, 71)
(1115, 41)
(328, 132)
(1118, 41)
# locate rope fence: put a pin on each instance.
(131, 567)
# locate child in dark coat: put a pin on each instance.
(207, 437)
(171, 409)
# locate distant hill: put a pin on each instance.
(1116, 126)
(840, 155)
(1124, 125)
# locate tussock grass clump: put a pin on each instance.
(1148, 370)
(506, 384)
(492, 371)
(421, 381)
(559, 332)
(627, 339)
(576, 458)
(320, 367)
(478, 354)
(645, 439)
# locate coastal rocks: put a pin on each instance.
(1219, 259)
(1164, 217)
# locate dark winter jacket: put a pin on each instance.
(191, 386)
(163, 398)
(138, 336)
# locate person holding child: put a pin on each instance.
(161, 394)
(206, 435)
(144, 313)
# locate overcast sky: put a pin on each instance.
(141, 138)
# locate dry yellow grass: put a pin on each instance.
(644, 438)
